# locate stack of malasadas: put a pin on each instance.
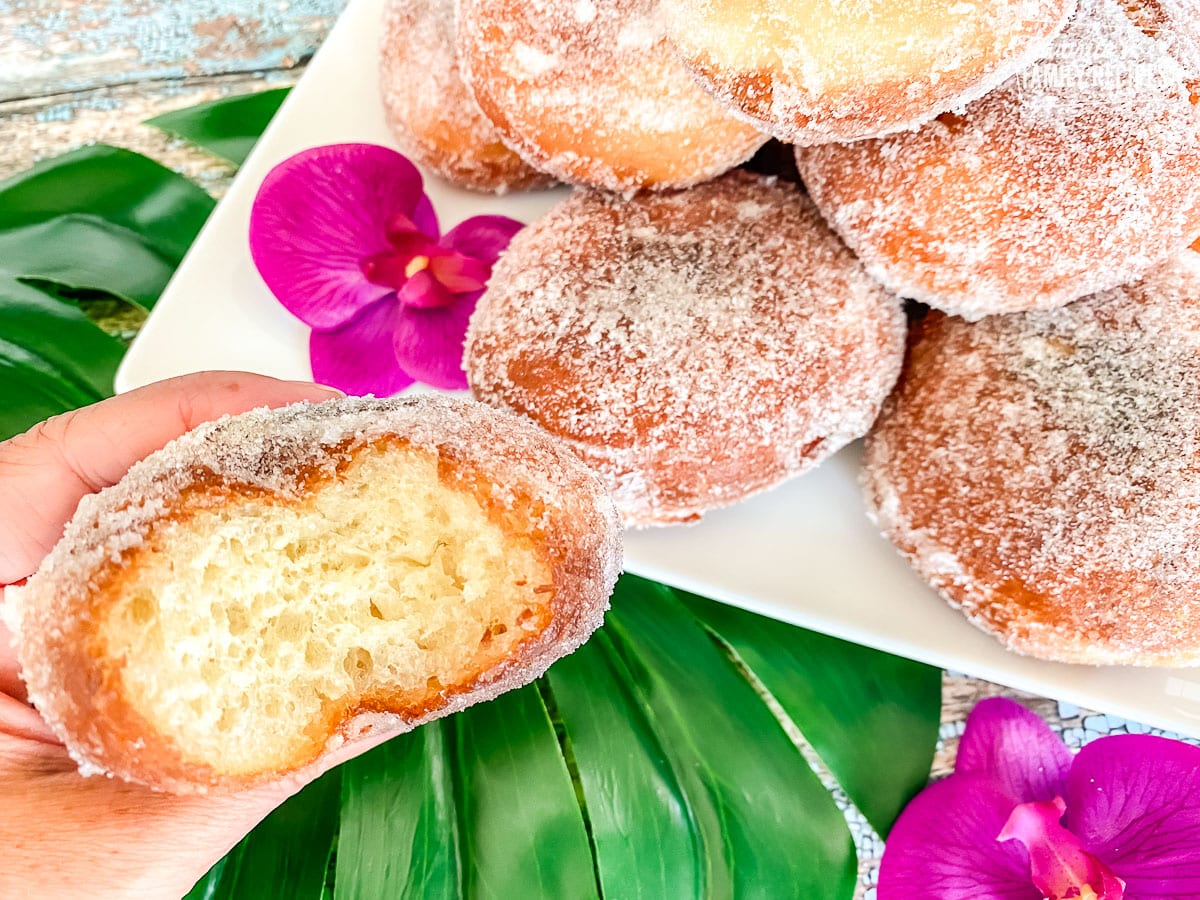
(698, 336)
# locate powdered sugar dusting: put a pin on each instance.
(1078, 175)
(429, 110)
(813, 72)
(593, 93)
(1055, 458)
(694, 347)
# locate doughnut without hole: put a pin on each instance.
(1042, 471)
(1079, 175)
(429, 110)
(274, 587)
(694, 347)
(593, 93)
(816, 71)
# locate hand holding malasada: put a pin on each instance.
(170, 584)
(102, 837)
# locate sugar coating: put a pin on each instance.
(1078, 175)
(280, 452)
(592, 93)
(694, 348)
(1042, 470)
(815, 71)
(430, 112)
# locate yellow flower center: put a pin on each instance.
(415, 265)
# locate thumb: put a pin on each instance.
(46, 471)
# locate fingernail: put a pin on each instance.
(321, 391)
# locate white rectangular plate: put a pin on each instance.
(804, 553)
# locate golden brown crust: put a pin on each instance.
(1078, 175)
(810, 95)
(593, 93)
(693, 348)
(542, 496)
(429, 110)
(1041, 470)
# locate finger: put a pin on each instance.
(45, 472)
(22, 722)
(104, 838)
(10, 678)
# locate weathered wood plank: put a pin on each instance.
(55, 46)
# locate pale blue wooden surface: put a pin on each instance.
(51, 47)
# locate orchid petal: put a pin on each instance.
(322, 211)
(359, 357)
(1134, 801)
(425, 219)
(1013, 747)
(400, 228)
(429, 342)
(944, 847)
(386, 269)
(424, 291)
(1060, 865)
(460, 274)
(412, 243)
(482, 237)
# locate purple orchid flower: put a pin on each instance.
(1021, 820)
(347, 241)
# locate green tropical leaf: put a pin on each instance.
(52, 358)
(229, 127)
(96, 221)
(287, 855)
(123, 188)
(817, 679)
(521, 828)
(83, 251)
(647, 839)
(398, 838)
(480, 805)
(765, 818)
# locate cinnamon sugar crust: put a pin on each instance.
(1042, 471)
